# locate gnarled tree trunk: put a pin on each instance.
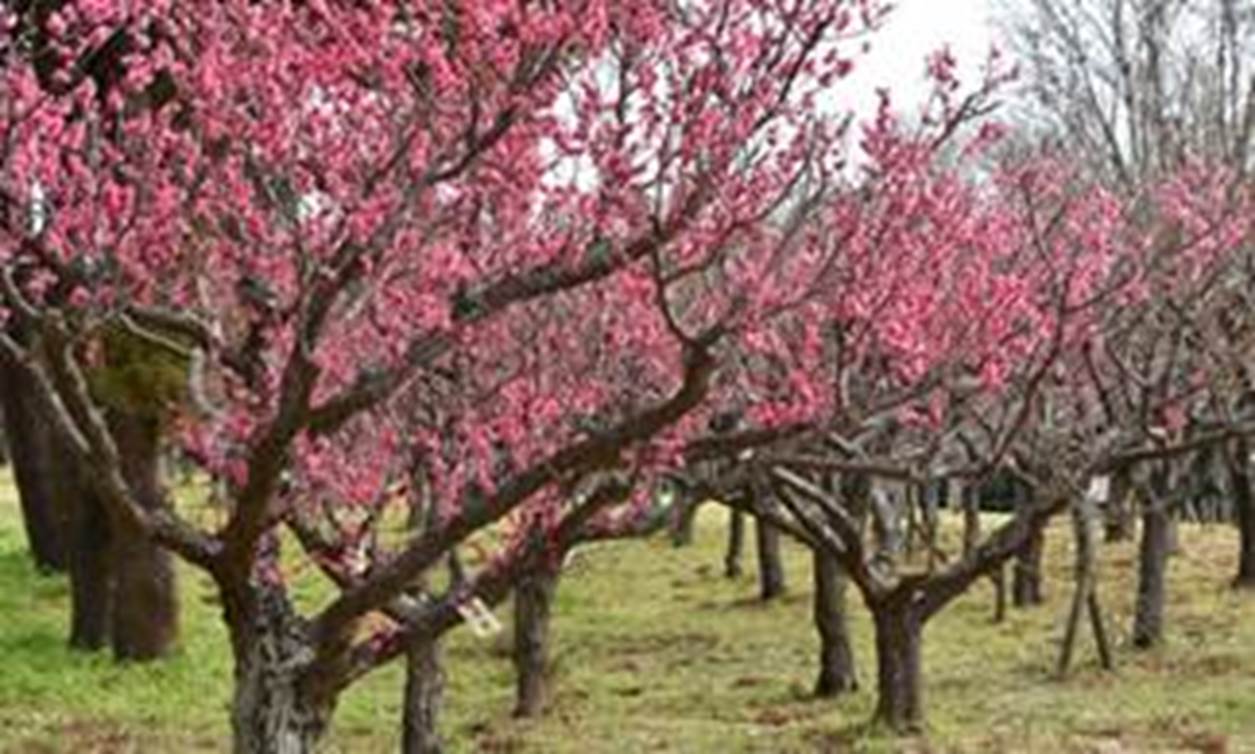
(533, 607)
(837, 673)
(273, 712)
(145, 598)
(424, 693)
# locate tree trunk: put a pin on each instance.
(272, 712)
(736, 545)
(899, 691)
(836, 655)
(1244, 514)
(145, 605)
(35, 468)
(533, 605)
(1027, 572)
(424, 692)
(91, 567)
(999, 581)
(770, 565)
(1151, 566)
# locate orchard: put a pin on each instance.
(405, 282)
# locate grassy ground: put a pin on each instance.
(656, 651)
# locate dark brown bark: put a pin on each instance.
(899, 690)
(999, 580)
(1244, 513)
(145, 597)
(837, 672)
(91, 567)
(1026, 580)
(736, 545)
(36, 466)
(1152, 565)
(770, 564)
(900, 608)
(273, 711)
(424, 693)
(533, 607)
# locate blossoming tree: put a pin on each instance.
(318, 207)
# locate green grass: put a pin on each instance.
(656, 651)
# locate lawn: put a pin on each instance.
(656, 651)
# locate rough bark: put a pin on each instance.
(272, 711)
(1026, 580)
(424, 693)
(899, 691)
(35, 469)
(1152, 564)
(145, 612)
(533, 606)
(770, 563)
(837, 672)
(1244, 514)
(91, 567)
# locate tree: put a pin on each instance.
(1139, 85)
(31, 450)
(123, 591)
(1139, 88)
(337, 203)
(1086, 262)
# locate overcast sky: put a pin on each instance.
(914, 29)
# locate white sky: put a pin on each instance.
(912, 30)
